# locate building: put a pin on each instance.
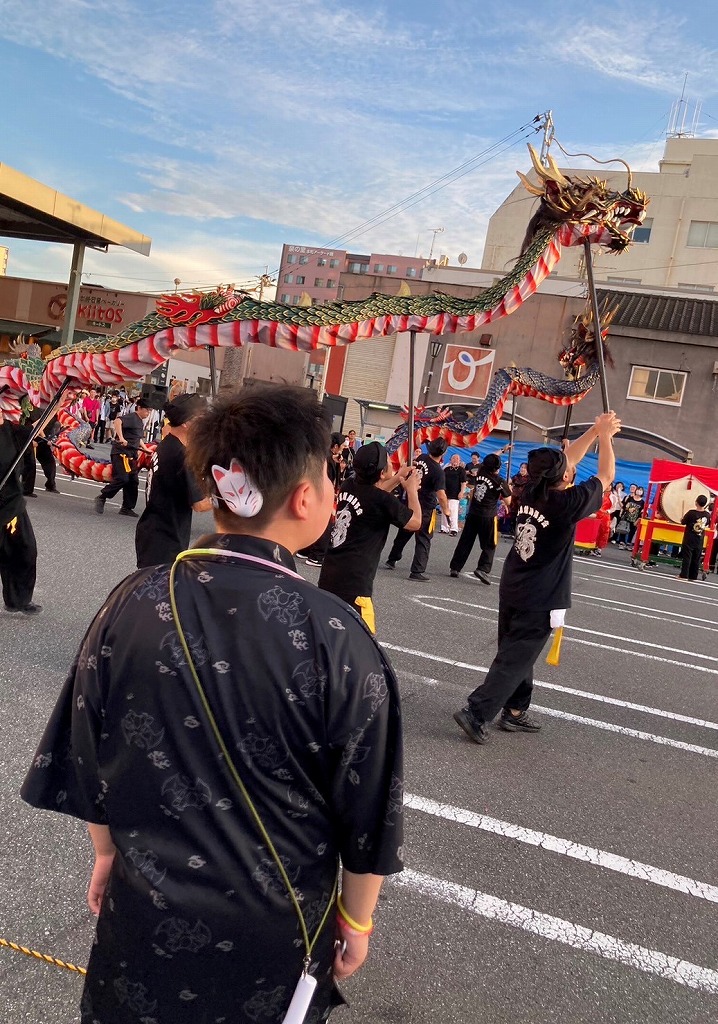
(677, 246)
(318, 273)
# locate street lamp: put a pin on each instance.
(435, 347)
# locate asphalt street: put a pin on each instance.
(569, 876)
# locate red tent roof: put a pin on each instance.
(662, 471)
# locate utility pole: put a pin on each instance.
(548, 134)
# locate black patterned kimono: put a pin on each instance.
(196, 924)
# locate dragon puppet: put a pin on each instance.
(570, 211)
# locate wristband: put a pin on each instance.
(346, 929)
(353, 925)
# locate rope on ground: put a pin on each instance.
(42, 956)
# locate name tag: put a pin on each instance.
(301, 999)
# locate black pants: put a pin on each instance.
(691, 555)
(475, 526)
(44, 456)
(509, 682)
(18, 561)
(125, 478)
(98, 434)
(422, 546)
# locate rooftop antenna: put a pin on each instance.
(677, 128)
(435, 232)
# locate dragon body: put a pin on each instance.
(570, 211)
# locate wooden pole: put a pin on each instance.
(596, 324)
(410, 422)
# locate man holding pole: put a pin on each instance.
(536, 582)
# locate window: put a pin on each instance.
(623, 280)
(284, 299)
(703, 234)
(291, 259)
(331, 283)
(289, 278)
(411, 271)
(296, 299)
(300, 279)
(688, 287)
(649, 384)
(304, 260)
(378, 268)
(321, 262)
(334, 264)
(643, 233)
(318, 282)
(391, 269)
(358, 268)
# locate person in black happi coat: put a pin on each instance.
(197, 922)
(536, 580)
(171, 492)
(696, 522)
(481, 520)
(18, 549)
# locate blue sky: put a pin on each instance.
(223, 128)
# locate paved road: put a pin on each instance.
(565, 877)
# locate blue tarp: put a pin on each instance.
(627, 472)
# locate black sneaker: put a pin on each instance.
(31, 609)
(389, 565)
(518, 723)
(454, 573)
(482, 576)
(474, 728)
(128, 512)
(314, 561)
(53, 488)
(418, 576)
(99, 505)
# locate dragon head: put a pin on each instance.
(565, 200)
(579, 352)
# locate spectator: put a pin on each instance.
(631, 511)
(455, 477)
(91, 413)
(18, 549)
(472, 471)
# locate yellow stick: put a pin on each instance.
(41, 956)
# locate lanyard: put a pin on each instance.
(202, 552)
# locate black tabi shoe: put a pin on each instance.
(389, 565)
(31, 609)
(454, 573)
(518, 723)
(128, 512)
(474, 728)
(482, 576)
(99, 505)
(419, 577)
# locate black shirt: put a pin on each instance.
(431, 480)
(695, 522)
(455, 478)
(171, 491)
(364, 515)
(11, 499)
(488, 490)
(537, 570)
(472, 471)
(133, 427)
(632, 508)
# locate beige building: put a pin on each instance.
(677, 246)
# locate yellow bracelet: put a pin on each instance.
(363, 928)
